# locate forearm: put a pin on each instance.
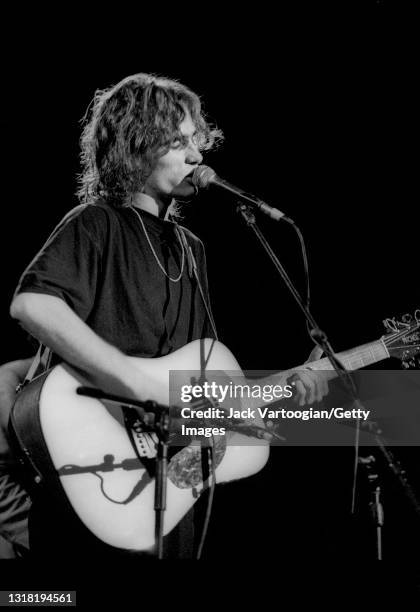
(54, 323)
(11, 374)
(16, 370)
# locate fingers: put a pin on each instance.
(315, 354)
(300, 393)
(310, 387)
(324, 382)
(306, 388)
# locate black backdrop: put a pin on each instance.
(319, 119)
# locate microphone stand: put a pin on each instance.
(320, 338)
(318, 335)
(161, 479)
(146, 412)
(376, 503)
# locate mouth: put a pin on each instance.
(186, 187)
(188, 177)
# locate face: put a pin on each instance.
(172, 168)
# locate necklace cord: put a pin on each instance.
(173, 280)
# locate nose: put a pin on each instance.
(193, 154)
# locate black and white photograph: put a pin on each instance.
(210, 299)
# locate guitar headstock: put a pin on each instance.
(403, 339)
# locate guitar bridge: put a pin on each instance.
(144, 442)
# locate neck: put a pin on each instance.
(150, 204)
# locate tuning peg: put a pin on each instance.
(407, 318)
(390, 325)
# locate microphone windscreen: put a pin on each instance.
(202, 176)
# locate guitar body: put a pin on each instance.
(70, 437)
(81, 445)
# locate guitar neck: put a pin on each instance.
(354, 359)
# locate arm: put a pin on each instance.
(16, 370)
(55, 324)
(11, 374)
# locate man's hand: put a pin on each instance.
(311, 386)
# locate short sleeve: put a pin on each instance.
(68, 265)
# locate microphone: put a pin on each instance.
(203, 176)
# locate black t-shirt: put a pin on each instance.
(99, 261)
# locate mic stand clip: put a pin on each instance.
(376, 503)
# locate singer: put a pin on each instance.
(115, 279)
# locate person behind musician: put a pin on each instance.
(112, 281)
(14, 499)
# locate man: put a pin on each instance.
(14, 500)
(114, 279)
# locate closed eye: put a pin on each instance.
(179, 143)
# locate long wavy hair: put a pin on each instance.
(127, 127)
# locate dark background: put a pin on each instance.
(319, 111)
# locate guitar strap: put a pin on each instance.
(40, 364)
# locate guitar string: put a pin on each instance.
(401, 333)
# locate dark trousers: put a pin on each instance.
(14, 509)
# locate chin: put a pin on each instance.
(183, 190)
